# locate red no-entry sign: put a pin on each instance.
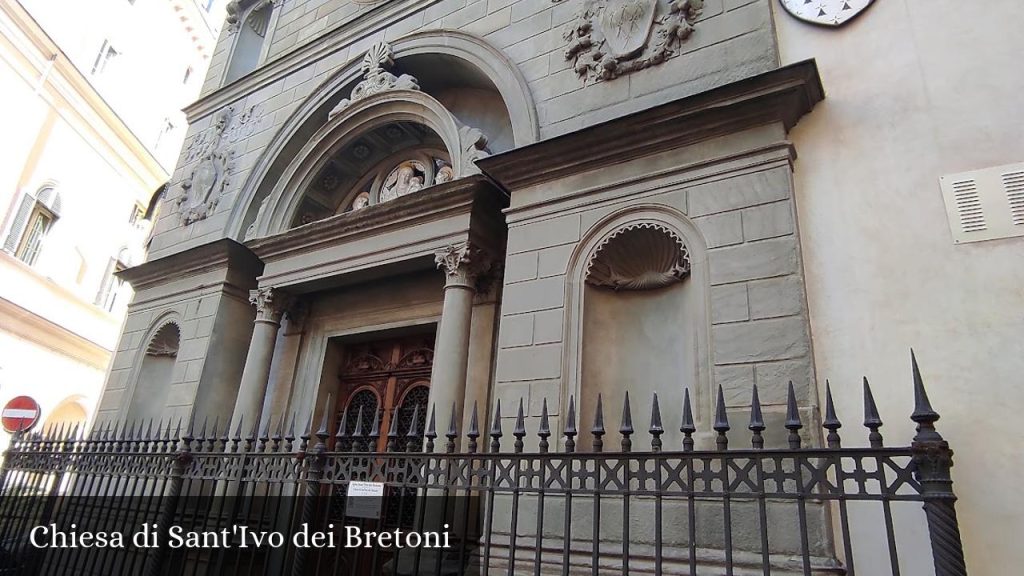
(20, 414)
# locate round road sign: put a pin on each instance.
(20, 414)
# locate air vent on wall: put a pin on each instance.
(985, 204)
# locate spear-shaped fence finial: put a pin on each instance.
(656, 429)
(793, 423)
(626, 427)
(923, 415)
(687, 427)
(872, 421)
(453, 431)
(431, 433)
(413, 436)
(496, 428)
(756, 425)
(474, 429)
(831, 422)
(598, 431)
(520, 430)
(544, 430)
(721, 421)
(570, 426)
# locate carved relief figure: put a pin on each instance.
(610, 38)
(407, 178)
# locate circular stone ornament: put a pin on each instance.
(832, 13)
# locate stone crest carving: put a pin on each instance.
(610, 38)
(259, 23)
(833, 13)
(376, 77)
(474, 147)
(643, 256)
(202, 189)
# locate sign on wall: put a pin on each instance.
(20, 414)
(826, 12)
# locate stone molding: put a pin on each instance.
(784, 95)
(271, 304)
(438, 201)
(219, 255)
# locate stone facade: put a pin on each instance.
(562, 213)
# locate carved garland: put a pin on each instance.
(610, 38)
(643, 256)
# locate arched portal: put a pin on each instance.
(474, 83)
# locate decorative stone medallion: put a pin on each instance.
(832, 13)
(610, 38)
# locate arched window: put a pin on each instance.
(32, 221)
(155, 374)
(252, 19)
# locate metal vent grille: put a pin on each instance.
(968, 206)
(1013, 183)
(985, 204)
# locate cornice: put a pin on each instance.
(219, 255)
(433, 203)
(34, 328)
(782, 95)
(315, 49)
(52, 68)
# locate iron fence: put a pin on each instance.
(500, 508)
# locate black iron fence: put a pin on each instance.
(209, 501)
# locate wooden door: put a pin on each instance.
(386, 379)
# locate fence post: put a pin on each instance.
(316, 473)
(180, 463)
(932, 462)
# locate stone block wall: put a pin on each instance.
(757, 324)
(312, 40)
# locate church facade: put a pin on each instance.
(439, 204)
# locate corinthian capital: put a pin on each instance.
(270, 303)
(462, 263)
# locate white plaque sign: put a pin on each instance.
(364, 499)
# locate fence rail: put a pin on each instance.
(500, 508)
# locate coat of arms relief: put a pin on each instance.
(609, 38)
(201, 190)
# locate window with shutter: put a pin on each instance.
(18, 224)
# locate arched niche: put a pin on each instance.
(67, 416)
(637, 319)
(464, 73)
(155, 373)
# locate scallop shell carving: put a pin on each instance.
(643, 256)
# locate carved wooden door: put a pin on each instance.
(388, 379)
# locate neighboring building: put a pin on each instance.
(612, 196)
(92, 128)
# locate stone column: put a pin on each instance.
(462, 263)
(270, 304)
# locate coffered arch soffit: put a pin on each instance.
(470, 52)
(363, 116)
